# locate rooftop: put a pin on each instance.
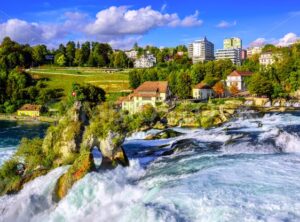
(30, 107)
(241, 73)
(202, 86)
(153, 86)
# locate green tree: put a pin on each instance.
(70, 53)
(184, 86)
(260, 85)
(60, 59)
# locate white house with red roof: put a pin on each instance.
(202, 91)
(151, 92)
(237, 78)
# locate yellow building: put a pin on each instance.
(30, 110)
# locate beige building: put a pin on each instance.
(232, 43)
(237, 78)
(147, 93)
(253, 51)
(202, 91)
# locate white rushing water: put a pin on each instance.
(246, 170)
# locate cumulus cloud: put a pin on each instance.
(258, 42)
(114, 25)
(288, 39)
(122, 21)
(224, 24)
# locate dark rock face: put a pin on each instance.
(165, 134)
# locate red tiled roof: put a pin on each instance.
(202, 86)
(30, 107)
(153, 86)
(241, 73)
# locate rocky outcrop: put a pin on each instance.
(65, 138)
(165, 134)
(82, 165)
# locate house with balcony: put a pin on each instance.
(237, 78)
(151, 92)
(203, 91)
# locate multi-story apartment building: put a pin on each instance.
(151, 92)
(232, 43)
(145, 61)
(233, 54)
(201, 50)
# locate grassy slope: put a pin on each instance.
(62, 78)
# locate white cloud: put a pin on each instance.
(163, 7)
(258, 42)
(114, 25)
(122, 21)
(224, 24)
(288, 39)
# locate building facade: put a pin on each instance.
(145, 61)
(151, 92)
(269, 58)
(254, 50)
(132, 54)
(232, 43)
(202, 91)
(201, 50)
(237, 78)
(233, 54)
(30, 110)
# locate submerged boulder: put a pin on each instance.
(165, 134)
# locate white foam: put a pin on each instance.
(289, 143)
(35, 197)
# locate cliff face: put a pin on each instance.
(69, 142)
(77, 141)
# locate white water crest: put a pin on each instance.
(6, 153)
(246, 170)
(34, 198)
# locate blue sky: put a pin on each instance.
(160, 23)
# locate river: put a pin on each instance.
(246, 170)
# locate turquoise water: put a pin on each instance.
(246, 170)
(11, 133)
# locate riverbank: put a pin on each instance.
(43, 119)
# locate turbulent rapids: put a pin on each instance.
(246, 170)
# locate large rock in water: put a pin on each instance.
(82, 165)
(65, 138)
(112, 155)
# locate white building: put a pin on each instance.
(237, 78)
(151, 92)
(233, 54)
(202, 91)
(201, 50)
(145, 61)
(269, 58)
(132, 54)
